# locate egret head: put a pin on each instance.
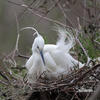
(38, 43)
(38, 46)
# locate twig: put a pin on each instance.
(73, 96)
(4, 83)
(96, 95)
(22, 56)
(90, 92)
(52, 7)
(64, 13)
(4, 76)
(26, 8)
(88, 58)
(48, 11)
(98, 78)
(37, 14)
(17, 40)
(97, 42)
(87, 72)
(77, 97)
(19, 68)
(71, 84)
(18, 34)
(11, 57)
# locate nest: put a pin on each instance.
(78, 85)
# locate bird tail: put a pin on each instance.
(65, 39)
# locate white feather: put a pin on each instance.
(66, 40)
(58, 60)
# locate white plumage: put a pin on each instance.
(55, 60)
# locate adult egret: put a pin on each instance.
(53, 59)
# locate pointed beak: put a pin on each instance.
(41, 53)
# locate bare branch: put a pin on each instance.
(37, 14)
(1, 74)
(23, 56)
(88, 58)
(26, 8)
(64, 13)
(4, 83)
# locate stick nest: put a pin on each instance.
(78, 85)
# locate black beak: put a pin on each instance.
(41, 53)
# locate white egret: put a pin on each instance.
(55, 60)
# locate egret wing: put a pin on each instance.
(29, 62)
(36, 69)
(74, 62)
(50, 63)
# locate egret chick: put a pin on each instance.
(54, 59)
